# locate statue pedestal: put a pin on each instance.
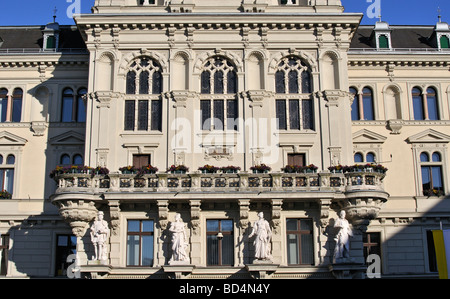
(348, 270)
(96, 269)
(261, 269)
(178, 269)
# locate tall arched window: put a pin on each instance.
(293, 87)
(218, 102)
(431, 171)
(3, 104)
(425, 104)
(17, 98)
(73, 105)
(363, 105)
(144, 78)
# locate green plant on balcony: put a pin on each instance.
(148, 169)
(178, 169)
(230, 169)
(128, 169)
(5, 195)
(262, 168)
(208, 169)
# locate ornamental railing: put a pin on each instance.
(221, 182)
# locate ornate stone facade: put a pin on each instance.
(252, 84)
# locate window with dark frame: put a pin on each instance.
(296, 159)
(4, 250)
(141, 160)
(219, 242)
(293, 78)
(11, 105)
(425, 104)
(371, 244)
(431, 172)
(73, 105)
(140, 238)
(363, 104)
(143, 78)
(65, 246)
(432, 261)
(218, 102)
(300, 248)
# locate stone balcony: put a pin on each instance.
(221, 182)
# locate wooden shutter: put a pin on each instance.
(141, 160)
(296, 159)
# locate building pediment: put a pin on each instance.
(68, 138)
(429, 136)
(7, 138)
(367, 136)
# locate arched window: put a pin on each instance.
(67, 105)
(444, 41)
(16, 113)
(3, 103)
(77, 159)
(358, 158)
(363, 105)
(65, 159)
(383, 42)
(292, 77)
(219, 77)
(425, 105)
(81, 105)
(370, 158)
(431, 171)
(145, 78)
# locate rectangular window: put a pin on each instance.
(418, 107)
(232, 115)
(3, 107)
(65, 246)
(219, 115)
(81, 110)
(16, 109)
(371, 244)
(205, 110)
(294, 115)
(129, 115)
(140, 243)
(219, 242)
(281, 114)
(432, 262)
(300, 249)
(7, 179)
(296, 159)
(4, 247)
(142, 115)
(141, 160)
(432, 178)
(156, 115)
(307, 115)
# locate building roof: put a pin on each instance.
(31, 37)
(412, 37)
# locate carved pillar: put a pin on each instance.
(163, 214)
(277, 238)
(244, 208)
(114, 214)
(324, 205)
(196, 240)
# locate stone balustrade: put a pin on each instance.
(221, 182)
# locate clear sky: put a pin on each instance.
(395, 12)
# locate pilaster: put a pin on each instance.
(196, 238)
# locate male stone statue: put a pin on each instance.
(261, 229)
(179, 244)
(99, 237)
(342, 249)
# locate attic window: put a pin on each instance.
(444, 41)
(288, 2)
(383, 42)
(51, 42)
(147, 2)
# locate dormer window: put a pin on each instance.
(444, 42)
(51, 36)
(147, 2)
(382, 36)
(288, 2)
(383, 42)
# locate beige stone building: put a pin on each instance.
(193, 87)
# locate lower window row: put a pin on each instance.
(219, 242)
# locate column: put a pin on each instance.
(196, 236)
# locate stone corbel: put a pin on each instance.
(276, 215)
(324, 212)
(244, 208)
(78, 213)
(163, 213)
(195, 216)
(114, 214)
(38, 127)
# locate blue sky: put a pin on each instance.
(396, 12)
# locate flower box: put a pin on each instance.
(128, 170)
(230, 169)
(208, 169)
(149, 169)
(180, 169)
(263, 168)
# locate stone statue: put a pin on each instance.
(342, 249)
(99, 237)
(261, 229)
(179, 243)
